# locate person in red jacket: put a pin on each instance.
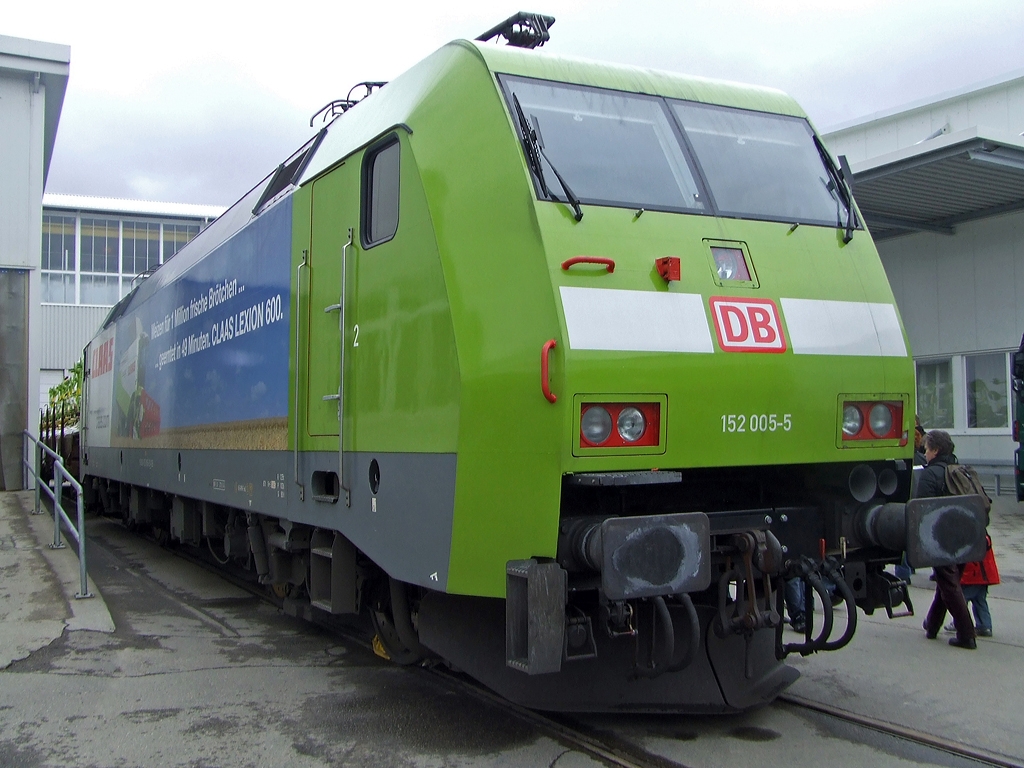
(975, 582)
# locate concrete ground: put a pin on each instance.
(892, 672)
(198, 672)
(36, 584)
(175, 666)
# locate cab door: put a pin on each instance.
(334, 225)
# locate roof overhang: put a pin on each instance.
(46, 67)
(939, 183)
(121, 207)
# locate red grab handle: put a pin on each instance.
(609, 263)
(545, 386)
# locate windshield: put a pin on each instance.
(761, 165)
(631, 150)
(613, 148)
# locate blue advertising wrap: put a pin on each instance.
(212, 347)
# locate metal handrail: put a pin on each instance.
(59, 475)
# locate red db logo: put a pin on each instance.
(747, 325)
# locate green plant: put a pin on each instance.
(66, 397)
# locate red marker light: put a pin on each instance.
(669, 268)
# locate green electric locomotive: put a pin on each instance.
(558, 369)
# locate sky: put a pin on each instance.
(196, 101)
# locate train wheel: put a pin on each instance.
(381, 615)
(281, 591)
(388, 638)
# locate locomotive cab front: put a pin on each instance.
(734, 387)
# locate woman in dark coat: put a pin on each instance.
(938, 451)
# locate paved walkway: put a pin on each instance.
(889, 672)
(893, 673)
(38, 584)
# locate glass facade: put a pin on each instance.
(965, 392)
(91, 260)
(935, 394)
(176, 235)
(59, 257)
(987, 396)
(140, 247)
(100, 245)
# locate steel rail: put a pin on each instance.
(902, 732)
(630, 755)
(563, 734)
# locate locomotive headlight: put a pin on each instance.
(608, 426)
(865, 421)
(631, 424)
(880, 419)
(596, 424)
(852, 420)
(730, 264)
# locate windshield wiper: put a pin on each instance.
(534, 153)
(841, 188)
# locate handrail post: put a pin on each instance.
(57, 509)
(60, 472)
(83, 574)
(39, 474)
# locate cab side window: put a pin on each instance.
(380, 193)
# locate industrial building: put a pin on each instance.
(93, 251)
(33, 80)
(941, 185)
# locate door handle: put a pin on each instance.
(545, 383)
(608, 264)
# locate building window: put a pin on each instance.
(987, 400)
(140, 247)
(99, 289)
(935, 393)
(110, 254)
(58, 288)
(176, 236)
(59, 243)
(99, 245)
(58, 260)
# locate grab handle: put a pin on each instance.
(609, 263)
(545, 385)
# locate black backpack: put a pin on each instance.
(963, 480)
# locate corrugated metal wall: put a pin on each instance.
(65, 332)
(960, 294)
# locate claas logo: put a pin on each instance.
(747, 325)
(103, 359)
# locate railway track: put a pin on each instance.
(600, 744)
(608, 751)
(902, 732)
